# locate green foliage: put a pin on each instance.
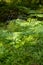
(11, 9)
(20, 25)
(22, 43)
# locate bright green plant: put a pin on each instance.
(22, 43)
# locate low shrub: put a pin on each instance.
(22, 43)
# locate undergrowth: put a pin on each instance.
(22, 43)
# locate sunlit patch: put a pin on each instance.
(8, 1)
(1, 44)
(38, 29)
(19, 44)
(29, 38)
(15, 35)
